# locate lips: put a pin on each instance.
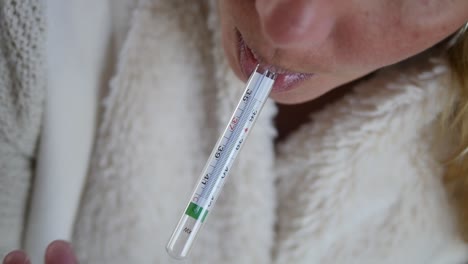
(285, 80)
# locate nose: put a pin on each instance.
(291, 23)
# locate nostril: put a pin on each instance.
(291, 23)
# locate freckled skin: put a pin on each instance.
(337, 40)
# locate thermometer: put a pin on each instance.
(220, 162)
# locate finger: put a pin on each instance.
(60, 252)
(16, 257)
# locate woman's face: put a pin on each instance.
(317, 45)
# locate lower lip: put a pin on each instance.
(284, 81)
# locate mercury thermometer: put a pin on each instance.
(220, 162)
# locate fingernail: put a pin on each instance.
(16, 257)
(60, 252)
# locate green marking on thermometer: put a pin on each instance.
(196, 212)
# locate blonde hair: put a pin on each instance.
(456, 123)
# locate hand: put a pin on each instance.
(58, 252)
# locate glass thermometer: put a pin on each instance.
(220, 162)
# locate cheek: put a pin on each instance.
(230, 47)
(371, 41)
(360, 42)
(233, 15)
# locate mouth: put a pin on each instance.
(285, 80)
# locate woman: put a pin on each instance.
(370, 178)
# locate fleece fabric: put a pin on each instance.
(360, 183)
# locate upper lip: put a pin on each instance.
(275, 68)
(264, 62)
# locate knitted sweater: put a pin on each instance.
(22, 89)
(359, 183)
